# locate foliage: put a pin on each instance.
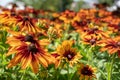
(57, 5)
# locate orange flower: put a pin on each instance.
(67, 53)
(27, 24)
(67, 16)
(91, 40)
(18, 37)
(80, 26)
(114, 28)
(28, 51)
(55, 31)
(30, 54)
(7, 18)
(86, 72)
(95, 31)
(112, 45)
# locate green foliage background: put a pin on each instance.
(60, 5)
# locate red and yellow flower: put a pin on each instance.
(28, 52)
(112, 45)
(27, 24)
(68, 53)
(86, 72)
(90, 40)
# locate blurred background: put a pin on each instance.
(61, 5)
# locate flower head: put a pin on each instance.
(7, 18)
(67, 16)
(28, 51)
(86, 72)
(27, 24)
(112, 45)
(95, 30)
(67, 53)
(29, 54)
(91, 40)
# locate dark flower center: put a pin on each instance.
(29, 38)
(32, 48)
(86, 71)
(92, 30)
(25, 18)
(82, 23)
(69, 55)
(92, 41)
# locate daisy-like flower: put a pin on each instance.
(67, 16)
(91, 40)
(28, 52)
(18, 37)
(55, 15)
(7, 17)
(27, 24)
(86, 72)
(80, 26)
(67, 53)
(95, 31)
(114, 28)
(112, 45)
(55, 31)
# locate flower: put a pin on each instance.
(86, 72)
(28, 51)
(18, 37)
(67, 16)
(8, 18)
(67, 53)
(27, 24)
(30, 54)
(114, 28)
(95, 31)
(80, 26)
(91, 40)
(112, 45)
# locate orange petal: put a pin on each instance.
(49, 58)
(14, 42)
(113, 50)
(42, 60)
(44, 42)
(15, 60)
(35, 65)
(11, 51)
(26, 60)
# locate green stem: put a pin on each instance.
(111, 67)
(103, 73)
(23, 75)
(89, 55)
(68, 72)
(56, 74)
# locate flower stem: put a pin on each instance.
(23, 75)
(68, 72)
(90, 55)
(111, 67)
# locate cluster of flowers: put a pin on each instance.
(30, 32)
